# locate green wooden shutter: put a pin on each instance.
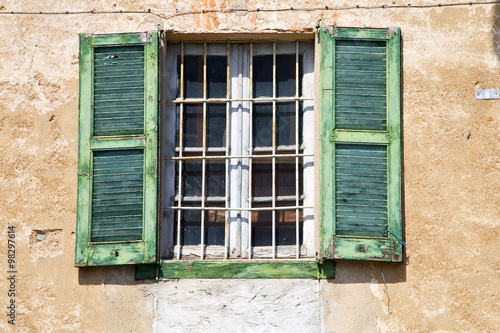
(361, 209)
(118, 149)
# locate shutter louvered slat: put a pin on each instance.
(119, 89)
(117, 196)
(361, 85)
(361, 190)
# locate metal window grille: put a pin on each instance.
(239, 144)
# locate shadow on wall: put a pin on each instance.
(369, 272)
(112, 275)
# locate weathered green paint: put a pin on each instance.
(125, 252)
(327, 121)
(365, 137)
(353, 246)
(123, 39)
(117, 142)
(238, 270)
(382, 249)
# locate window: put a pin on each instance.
(234, 180)
(235, 145)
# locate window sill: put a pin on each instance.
(237, 270)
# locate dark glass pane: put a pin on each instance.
(262, 125)
(191, 179)
(285, 75)
(193, 125)
(216, 179)
(214, 225)
(216, 76)
(190, 227)
(193, 76)
(285, 124)
(216, 125)
(285, 179)
(262, 226)
(262, 76)
(262, 179)
(286, 227)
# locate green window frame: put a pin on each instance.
(361, 172)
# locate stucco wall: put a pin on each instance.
(450, 279)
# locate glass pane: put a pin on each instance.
(215, 178)
(262, 231)
(263, 76)
(262, 130)
(193, 125)
(216, 76)
(191, 179)
(285, 75)
(286, 226)
(285, 124)
(214, 225)
(193, 76)
(262, 178)
(216, 125)
(190, 226)
(262, 226)
(285, 179)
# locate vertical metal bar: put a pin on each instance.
(297, 185)
(181, 126)
(228, 85)
(274, 153)
(251, 153)
(204, 161)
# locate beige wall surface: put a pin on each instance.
(450, 280)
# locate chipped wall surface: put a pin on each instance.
(450, 279)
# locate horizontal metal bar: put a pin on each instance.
(194, 199)
(238, 156)
(224, 100)
(238, 209)
(254, 199)
(277, 198)
(223, 149)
